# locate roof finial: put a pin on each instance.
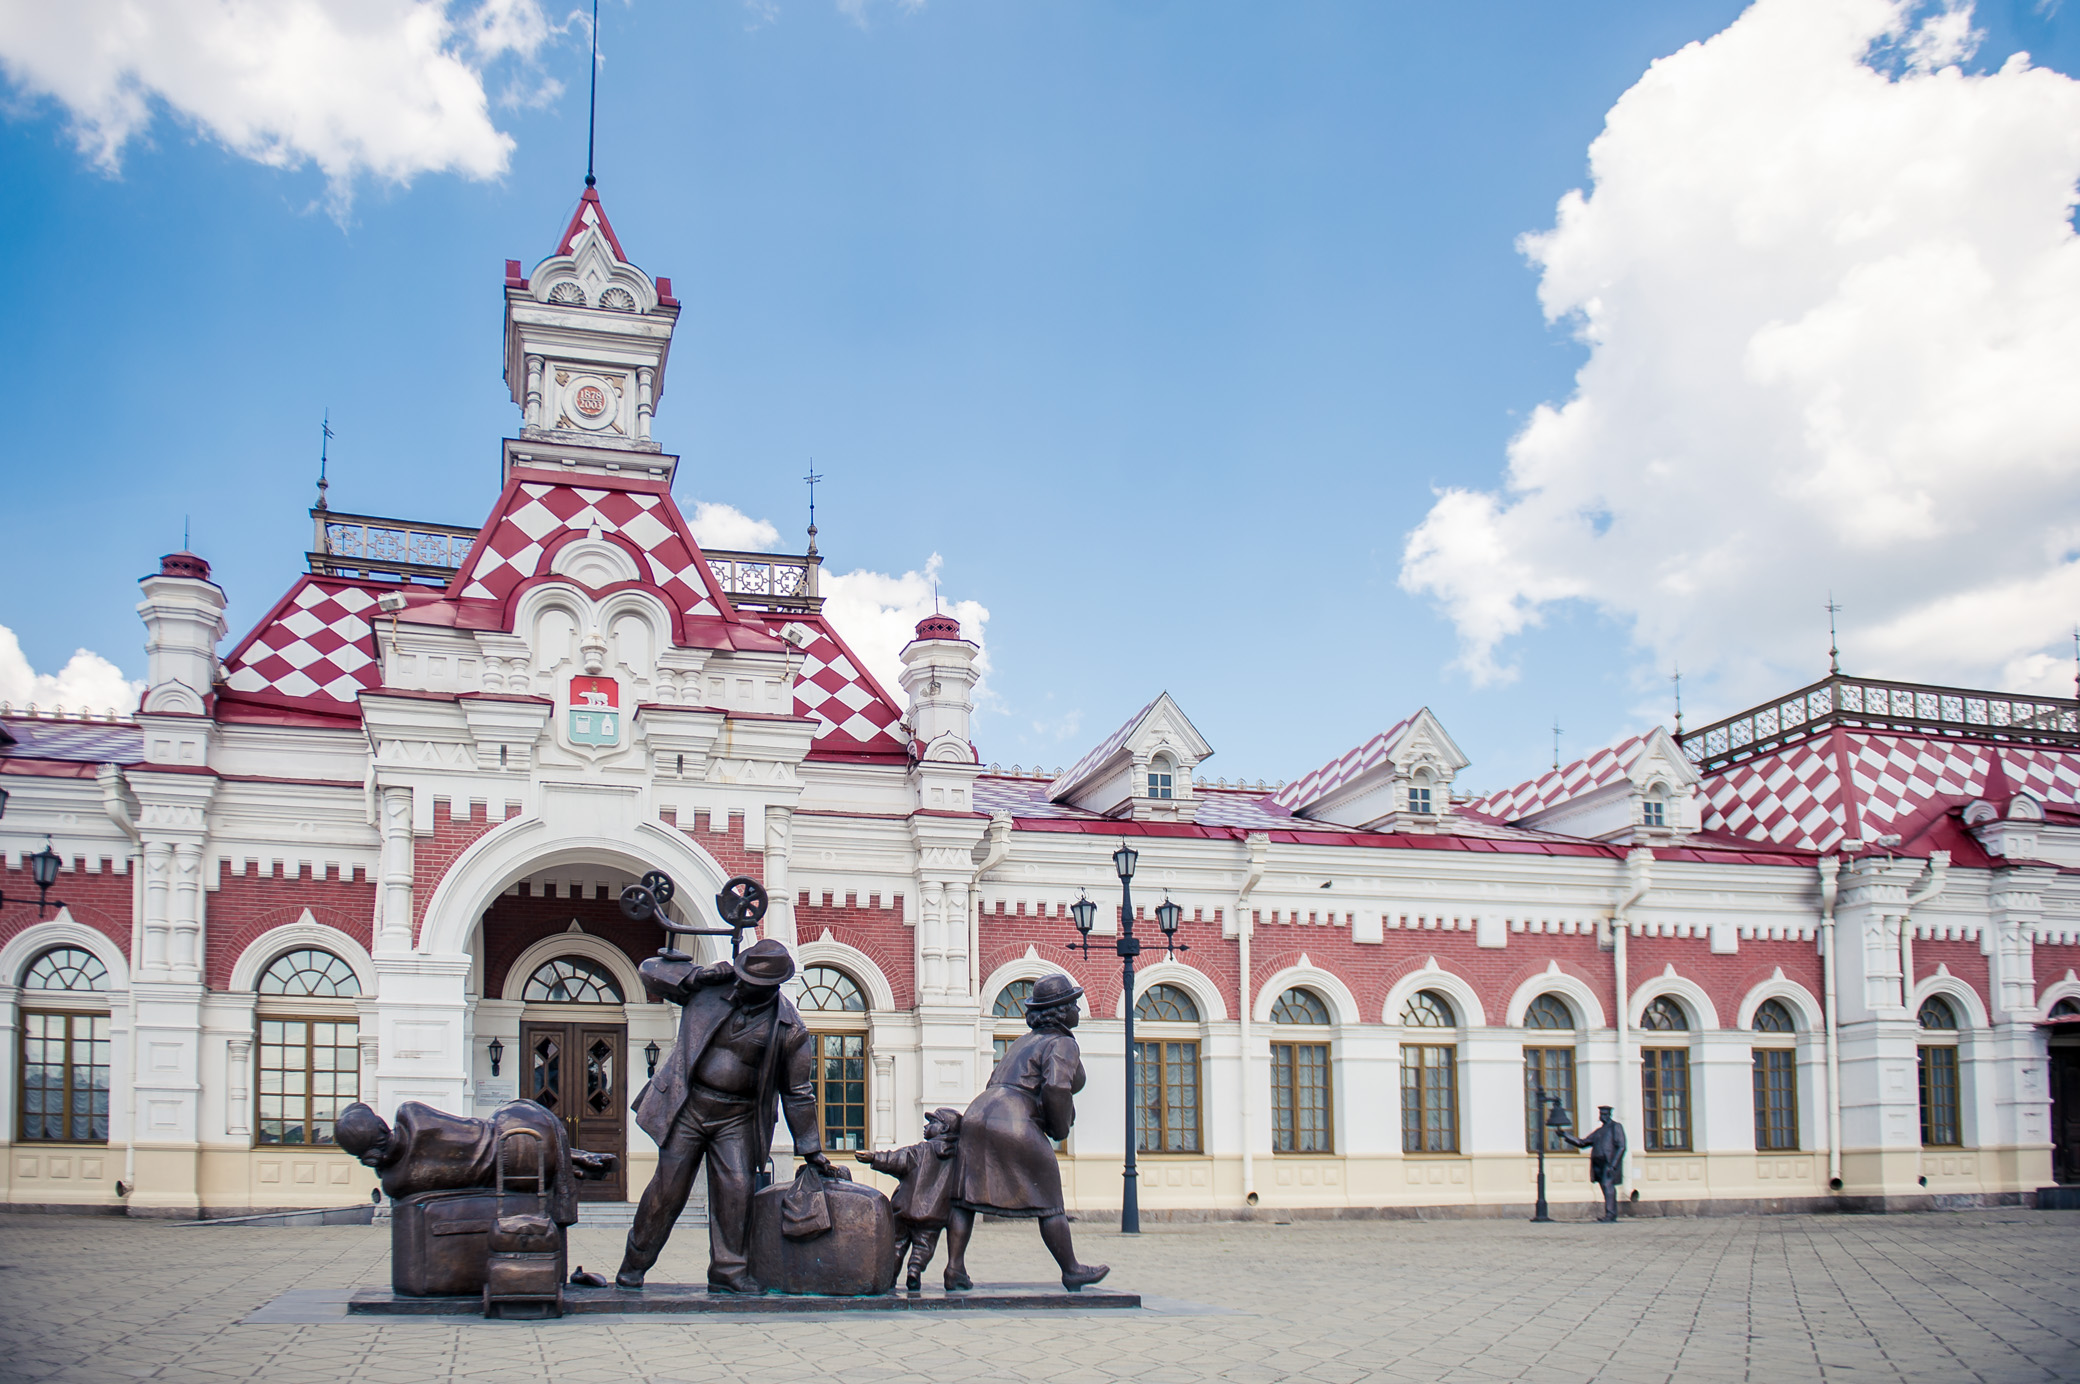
(1556, 743)
(324, 453)
(184, 533)
(592, 103)
(2076, 660)
(812, 478)
(1834, 654)
(1679, 698)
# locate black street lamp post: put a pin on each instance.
(1127, 947)
(1555, 1118)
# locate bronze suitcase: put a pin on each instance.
(856, 1257)
(439, 1241)
(524, 1261)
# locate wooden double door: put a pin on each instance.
(579, 1071)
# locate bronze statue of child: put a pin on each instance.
(924, 1176)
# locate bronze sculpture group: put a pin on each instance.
(483, 1205)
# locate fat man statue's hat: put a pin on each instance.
(764, 963)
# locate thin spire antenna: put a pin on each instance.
(812, 478)
(1834, 654)
(592, 103)
(2076, 660)
(1678, 680)
(184, 533)
(1556, 743)
(324, 456)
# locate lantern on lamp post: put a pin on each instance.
(1551, 1119)
(1127, 946)
(43, 873)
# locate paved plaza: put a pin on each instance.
(1991, 1295)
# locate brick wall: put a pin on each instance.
(99, 899)
(433, 855)
(516, 922)
(242, 907)
(726, 843)
(873, 925)
(2051, 961)
(1963, 959)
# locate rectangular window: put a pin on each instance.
(1554, 1069)
(1166, 1106)
(841, 1089)
(1159, 785)
(998, 1047)
(1300, 1098)
(310, 1070)
(1939, 1124)
(65, 1078)
(1418, 800)
(1652, 814)
(1429, 1098)
(1776, 1099)
(1664, 1081)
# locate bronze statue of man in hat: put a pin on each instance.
(740, 1042)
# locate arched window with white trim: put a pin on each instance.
(310, 1047)
(1941, 1107)
(1664, 1078)
(1548, 1069)
(1008, 1017)
(1166, 1071)
(1775, 1050)
(834, 1006)
(66, 1042)
(1430, 1076)
(1301, 1099)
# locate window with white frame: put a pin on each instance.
(1941, 1124)
(834, 1007)
(1166, 1071)
(1664, 1080)
(1162, 777)
(1430, 1077)
(1300, 1095)
(1775, 1077)
(309, 1065)
(66, 1041)
(1548, 1067)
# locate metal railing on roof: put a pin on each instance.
(767, 581)
(364, 546)
(1879, 704)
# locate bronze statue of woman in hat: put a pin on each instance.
(1007, 1163)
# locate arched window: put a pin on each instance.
(1298, 1006)
(65, 1051)
(1428, 1009)
(572, 980)
(1942, 1124)
(310, 1046)
(1419, 799)
(1775, 1077)
(1664, 1075)
(1166, 1075)
(826, 988)
(835, 1008)
(66, 968)
(310, 972)
(1011, 1001)
(1162, 777)
(2067, 1008)
(1300, 1096)
(1653, 808)
(1166, 1004)
(1664, 1015)
(1548, 1069)
(1773, 1016)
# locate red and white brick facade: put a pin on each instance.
(423, 778)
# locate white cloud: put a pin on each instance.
(387, 89)
(857, 10)
(729, 528)
(1830, 289)
(878, 615)
(87, 682)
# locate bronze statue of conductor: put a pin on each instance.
(1006, 1164)
(1606, 1145)
(739, 1043)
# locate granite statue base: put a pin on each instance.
(691, 1297)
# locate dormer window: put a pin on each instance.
(1162, 778)
(1653, 812)
(1419, 794)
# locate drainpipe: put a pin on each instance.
(1639, 875)
(995, 847)
(1830, 868)
(115, 801)
(1938, 880)
(1259, 844)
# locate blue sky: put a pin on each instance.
(1163, 324)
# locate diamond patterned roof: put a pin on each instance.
(1107, 749)
(314, 651)
(533, 517)
(1339, 771)
(83, 742)
(853, 711)
(1585, 775)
